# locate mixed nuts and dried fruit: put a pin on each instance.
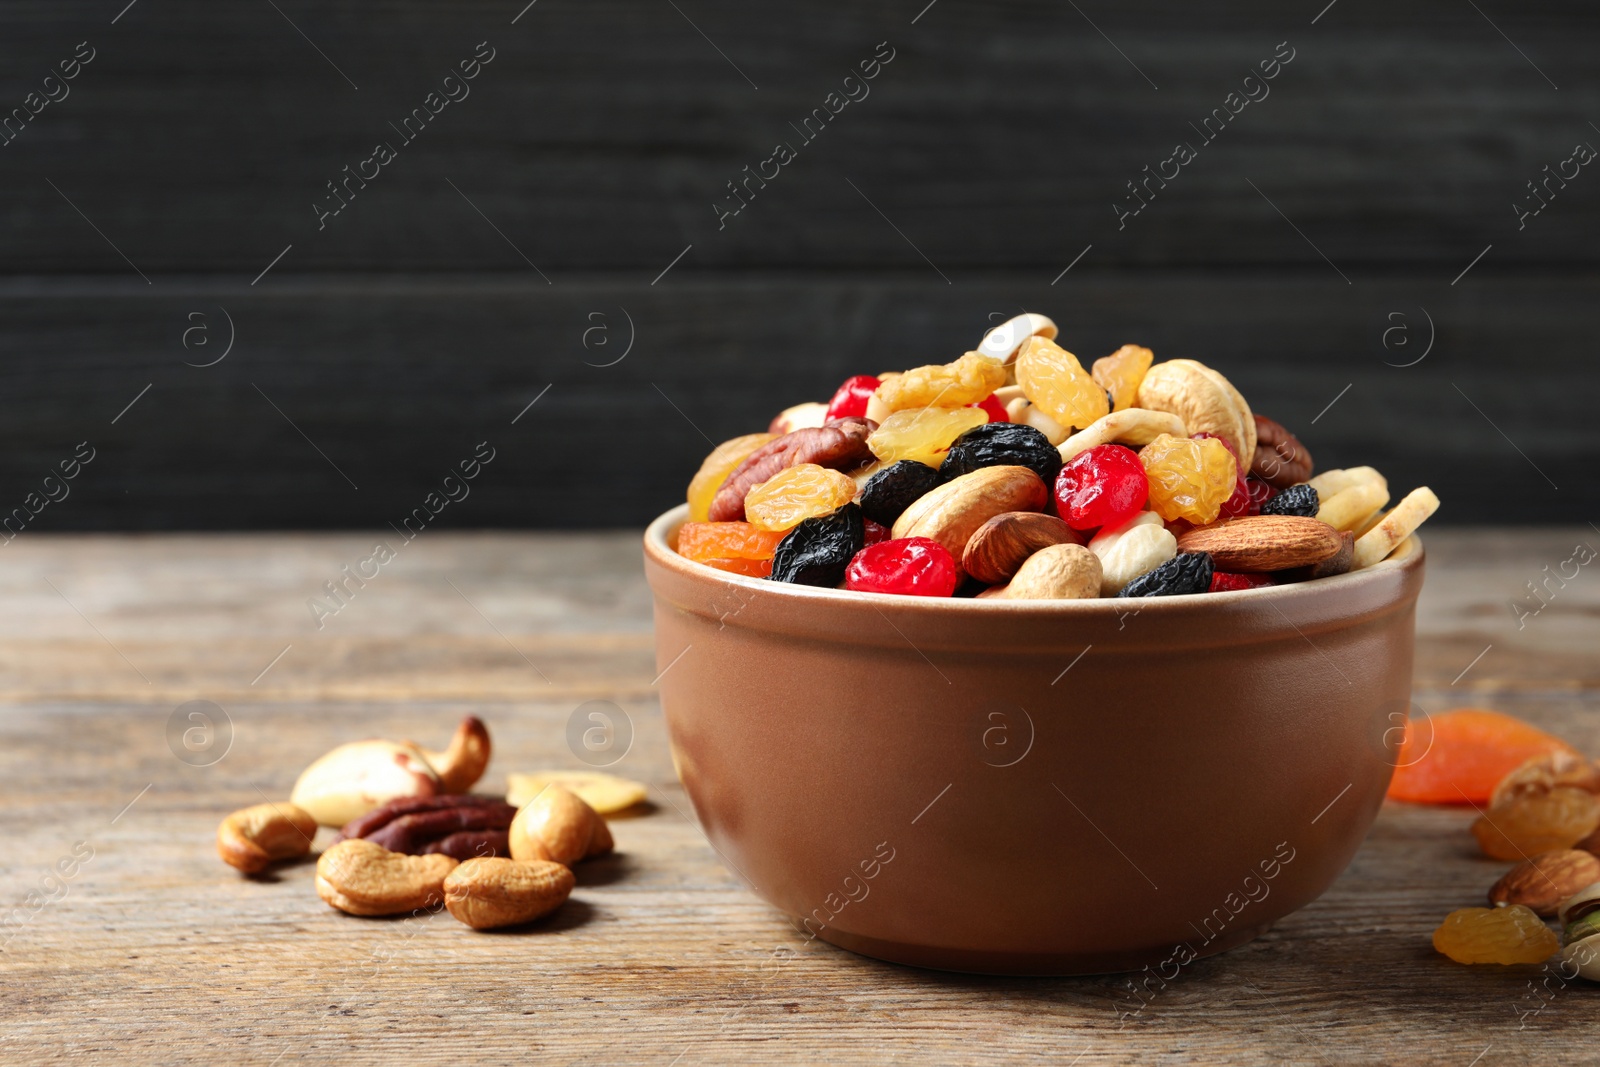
(1015, 473)
(1538, 800)
(412, 838)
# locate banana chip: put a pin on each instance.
(605, 793)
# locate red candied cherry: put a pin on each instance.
(993, 408)
(1105, 486)
(876, 534)
(911, 566)
(1224, 582)
(850, 399)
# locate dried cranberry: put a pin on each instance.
(910, 566)
(993, 408)
(1105, 486)
(1224, 582)
(876, 534)
(851, 397)
(1260, 493)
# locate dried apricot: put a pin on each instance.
(704, 542)
(922, 434)
(795, 494)
(1537, 822)
(752, 568)
(1121, 372)
(969, 380)
(1512, 934)
(1458, 757)
(716, 467)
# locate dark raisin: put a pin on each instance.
(1299, 499)
(1002, 444)
(889, 492)
(817, 551)
(1188, 572)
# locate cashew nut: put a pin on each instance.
(253, 837)
(463, 763)
(361, 878)
(490, 892)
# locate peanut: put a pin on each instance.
(1057, 572)
(489, 893)
(253, 837)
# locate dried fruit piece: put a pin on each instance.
(1187, 572)
(1056, 383)
(1495, 935)
(922, 434)
(1543, 773)
(968, 380)
(1299, 500)
(841, 446)
(889, 492)
(1105, 486)
(851, 397)
(1537, 822)
(1224, 582)
(607, 794)
(818, 550)
(1543, 881)
(992, 407)
(876, 533)
(1121, 372)
(795, 494)
(1189, 479)
(1001, 444)
(1458, 757)
(707, 541)
(1402, 520)
(716, 467)
(910, 566)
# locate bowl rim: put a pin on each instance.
(1407, 557)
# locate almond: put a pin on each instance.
(1000, 545)
(1262, 543)
(1543, 882)
(952, 513)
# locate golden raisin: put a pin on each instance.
(1121, 372)
(795, 494)
(1189, 479)
(1495, 935)
(1055, 382)
(969, 380)
(922, 434)
(716, 467)
(1534, 822)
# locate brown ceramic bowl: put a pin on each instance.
(1048, 787)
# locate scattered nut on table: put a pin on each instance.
(357, 777)
(605, 793)
(558, 826)
(1544, 881)
(361, 878)
(462, 826)
(490, 893)
(254, 837)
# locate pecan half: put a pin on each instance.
(458, 826)
(841, 445)
(1280, 459)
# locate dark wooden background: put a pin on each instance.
(985, 160)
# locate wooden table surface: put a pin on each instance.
(154, 951)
